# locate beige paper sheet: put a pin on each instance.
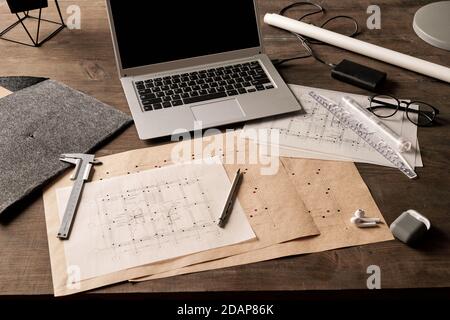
(4, 92)
(271, 203)
(331, 191)
(151, 216)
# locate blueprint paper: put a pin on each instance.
(324, 186)
(315, 133)
(150, 216)
(270, 202)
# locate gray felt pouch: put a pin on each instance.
(39, 123)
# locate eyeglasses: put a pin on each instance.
(420, 113)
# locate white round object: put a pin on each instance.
(432, 24)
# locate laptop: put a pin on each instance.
(186, 64)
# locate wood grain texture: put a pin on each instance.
(84, 59)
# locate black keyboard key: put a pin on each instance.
(200, 81)
(194, 94)
(158, 83)
(167, 82)
(157, 89)
(146, 91)
(160, 94)
(196, 87)
(214, 85)
(203, 92)
(220, 89)
(231, 81)
(185, 79)
(157, 106)
(185, 95)
(260, 87)
(209, 80)
(238, 85)
(242, 90)
(174, 86)
(247, 84)
(166, 104)
(148, 96)
(176, 97)
(192, 83)
(229, 87)
(140, 87)
(152, 101)
(251, 90)
(177, 103)
(187, 89)
(178, 91)
(138, 83)
(232, 92)
(259, 76)
(260, 81)
(269, 87)
(148, 108)
(169, 92)
(205, 97)
(222, 83)
(168, 98)
(176, 76)
(204, 86)
(176, 80)
(212, 90)
(184, 74)
(165, 88)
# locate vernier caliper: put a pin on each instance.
(83, 165)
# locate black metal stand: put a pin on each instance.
(35, 42)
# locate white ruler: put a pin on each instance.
(365, 129)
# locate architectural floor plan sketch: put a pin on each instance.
(150, 216)
(317, 134)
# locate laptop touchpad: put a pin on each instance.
(218, 112)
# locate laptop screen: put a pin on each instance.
(150, 32)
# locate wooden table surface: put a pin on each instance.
(84, 59)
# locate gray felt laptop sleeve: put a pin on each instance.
(38, 124)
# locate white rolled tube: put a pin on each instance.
(364, 48)
(401, 144)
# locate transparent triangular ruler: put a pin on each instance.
(364, 129)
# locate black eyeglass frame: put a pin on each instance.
(406, 108)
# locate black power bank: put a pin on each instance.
(358, 75)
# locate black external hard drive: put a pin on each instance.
(358, 75)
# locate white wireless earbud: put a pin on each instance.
(361, 221)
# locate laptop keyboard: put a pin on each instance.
(180, 89)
